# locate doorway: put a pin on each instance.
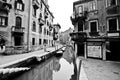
(80, 49)
(114, 53)
(18, 40)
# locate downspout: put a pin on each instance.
(28, 36)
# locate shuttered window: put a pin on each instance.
(93, 26)
(19, 5)
(3, 21)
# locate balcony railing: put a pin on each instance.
(113, 9)
(36, 4)
(94, 34)
(46, 15)
(5, 6)
(50, 27)
(78, 36)
(17, 29)
(41, 22)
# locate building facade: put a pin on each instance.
(56, 33)
(65, 37)
(40, 25)
(97, 30)
(25, 25)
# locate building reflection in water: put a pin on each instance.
(52, 69)
(56, 64)
(43, 71)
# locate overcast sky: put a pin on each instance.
(62, 10)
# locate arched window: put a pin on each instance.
(18, 21)
(44, 31)
(34, 26)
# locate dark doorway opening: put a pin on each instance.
(80, 50)
(114, 53)
(17, 40)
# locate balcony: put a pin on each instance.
(114, 9)
(78, 36)
(46, 15)
(41, 22)
(78, 17)
(5, 7)
(16, 29)
(94, 34)
(50, 27)
(35, 4)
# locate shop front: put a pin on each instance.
(95, 48)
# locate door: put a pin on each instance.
(17, 40)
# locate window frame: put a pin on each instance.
(18, 22)
(40, 29)
(108, 3)
(93, 6)
(82, 28)
(80, 9)
(33, 41)
(90, 25)
(34, 26)
(108, 23)
(40, 41)
(5, 20)
(19, 5)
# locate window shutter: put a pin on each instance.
(15, 5)
(23, 7)
(6, 21)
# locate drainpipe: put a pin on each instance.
(28, 35)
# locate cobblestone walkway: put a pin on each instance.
(101, 70)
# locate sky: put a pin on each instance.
(62, 10)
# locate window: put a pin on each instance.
(40, 15)
(33, 41)
(3, 21)
(111, 2)
(40, 29)
(41, 5)
(93, 26)
(45, 41)
(19, 5)
(18, 21)
(44, 31)
(112, 23)
(34, 26)
(40, 42)
(34, 11)
(80, 9)
(92, 6)
(80, 26)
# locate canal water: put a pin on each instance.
(54, 68)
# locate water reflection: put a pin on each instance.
(53, 69)
(56, 64)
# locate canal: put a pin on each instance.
(54, 68)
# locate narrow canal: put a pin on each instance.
(54, 68)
